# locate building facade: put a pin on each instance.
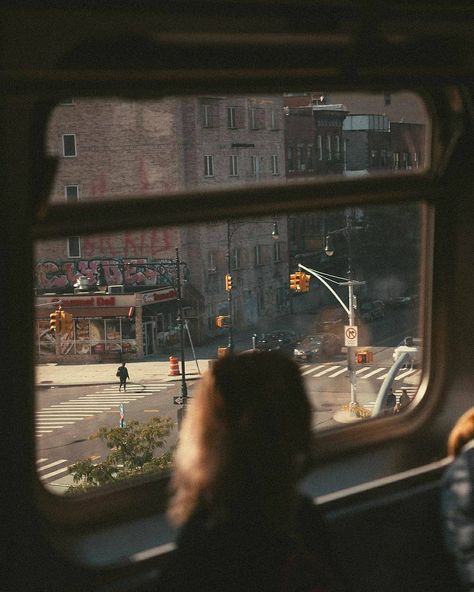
(112, 149)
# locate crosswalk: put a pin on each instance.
(329, 370)
(49, 470)
(410, 391)
(59, 415)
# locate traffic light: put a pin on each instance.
(304, 282)
(228, 282)
(66, 322)
(220, 321)
(295, 279)
(364, 356)
(55, 321)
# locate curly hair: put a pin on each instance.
(245, 438)
(462, 432)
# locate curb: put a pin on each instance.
(191, 376)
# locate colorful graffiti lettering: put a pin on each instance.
(51, 275)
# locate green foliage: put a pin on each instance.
(133, 450)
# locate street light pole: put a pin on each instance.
(184, 388)
(230, 320)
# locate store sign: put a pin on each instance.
(92, 301)
(159, 296)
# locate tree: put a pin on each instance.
(133, 449)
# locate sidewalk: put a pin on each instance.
(154, 368)
(48, 375)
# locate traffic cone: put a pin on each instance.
(174, 366)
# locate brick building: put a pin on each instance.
(119, 148)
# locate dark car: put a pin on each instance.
(283, 340)
(317, 347)
(369, 311)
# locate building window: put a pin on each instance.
(320, 147)
(235, 258)
(387, 99)
(231, 117)
(276, 252)
(71, 193)
(253, 118)
(74, 246)
(289, 157)
(309, 157)
(69, 145)
(207, 115)
(254, 166)
(300, 158)
(233, 165)
(275, 164)
(274, 120)
(329, 147)
(337, 141)
(258, 255)
(256, 118)
(67, 101)
(208, 166)
(396, 160)
(211, 262)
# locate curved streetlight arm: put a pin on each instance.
(323, 281)
(383, 393)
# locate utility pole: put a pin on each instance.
(230, 344)
(184, 388)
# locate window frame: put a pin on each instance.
(64, 136)
(209, 170)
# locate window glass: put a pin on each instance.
(180, 144)
(342, 286)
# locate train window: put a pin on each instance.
(178, 144)
(127, 321)
(338, 290)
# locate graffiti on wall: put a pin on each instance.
(62, 275)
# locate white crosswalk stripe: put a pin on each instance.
(66, 413)
(330, 371)
(59, 470)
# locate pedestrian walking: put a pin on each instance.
(122, 373)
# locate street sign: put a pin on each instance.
(178, 400)
(350, 336)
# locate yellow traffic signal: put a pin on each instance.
(220, 321)
(66, 322)
(304, 282)
(228, 282)
(295, 279)
(55, 321)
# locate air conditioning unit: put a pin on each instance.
(212, 270)
(118, 289)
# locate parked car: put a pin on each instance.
(412, 346)
(283, 340)
(317, 347)
(369, 311)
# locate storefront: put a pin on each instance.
(105, 326)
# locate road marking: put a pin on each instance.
(337, 373)
(151, 411)
(53, 464)
(325, 371)
(374, 372)
(39, 460)
(312, 370)
(359, 372)
(400, 376)
(54, 473)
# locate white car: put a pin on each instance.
(411, 346)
